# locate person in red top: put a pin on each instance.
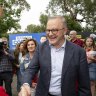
(3, 92)
(74, 39)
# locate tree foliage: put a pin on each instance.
(38, 28)
(72, 25)
(43, 19)
(85, 8)
(32, 28)
(11, 14)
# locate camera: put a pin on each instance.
(2, 44)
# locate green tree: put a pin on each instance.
(43, 20)
(72, 25)
(11, 14)
(4, 35)
(73, 8)
(38, 28)
(35, 28)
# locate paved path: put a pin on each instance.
(14, 89)
(14, 86)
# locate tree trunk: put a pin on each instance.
(1, 11)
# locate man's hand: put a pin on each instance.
(25, 90)
(6, 53)
(34, 85)
(17, 65)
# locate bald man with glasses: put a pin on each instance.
(74, 39)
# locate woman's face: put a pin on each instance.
(89, 42)
(31, 46)
(21, 47)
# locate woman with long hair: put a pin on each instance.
(91, 58)
(30, 47)
(19, 53)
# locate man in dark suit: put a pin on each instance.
(61, 64)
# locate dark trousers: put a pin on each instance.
(6, 77)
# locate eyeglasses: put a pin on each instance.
(54, 31)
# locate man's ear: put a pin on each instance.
(65, 31)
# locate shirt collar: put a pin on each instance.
(63, 46)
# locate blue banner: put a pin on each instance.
(17, 38)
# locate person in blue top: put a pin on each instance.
(29, 47)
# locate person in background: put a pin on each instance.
(90, 48)
(19, 53)
(43, 39)
(74, 39)
(30, 47)
(61, 64)
(6, 63)
(25, 39)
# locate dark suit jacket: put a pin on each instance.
(74, 68)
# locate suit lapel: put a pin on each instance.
(67, 57)
(48, 62)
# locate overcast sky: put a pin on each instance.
(32, 16)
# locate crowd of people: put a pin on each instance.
(55, 67)
(15, 62)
